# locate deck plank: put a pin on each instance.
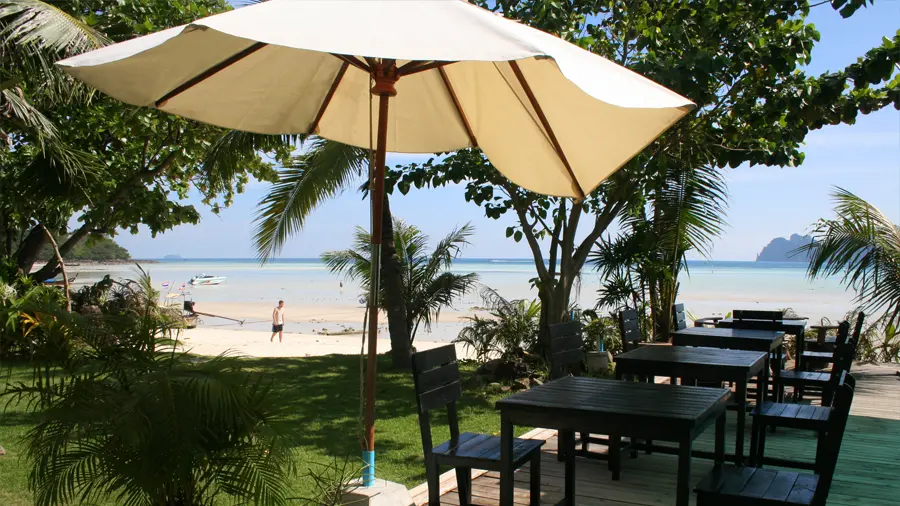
(866, 474)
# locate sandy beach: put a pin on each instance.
(253, 343)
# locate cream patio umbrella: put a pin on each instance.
(552, 117)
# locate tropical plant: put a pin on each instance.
(428, 284)
(596, 329)
(510, 329)
(861, 245)
(124, 415)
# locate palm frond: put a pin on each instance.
(17, 109)
(323, 172)
(37, 26)
(861, 245)
(233, 148)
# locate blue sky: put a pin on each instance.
(764, 202)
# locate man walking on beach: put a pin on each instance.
(278, 322)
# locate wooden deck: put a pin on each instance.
(868, 472)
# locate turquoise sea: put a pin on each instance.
(707, 287)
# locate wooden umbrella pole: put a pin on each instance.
(385, 76)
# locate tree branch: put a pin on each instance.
(529, 234)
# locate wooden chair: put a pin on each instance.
(437, 385)
(752, 486)
(755, 319)
(800, 380)
(629, 328)
(803, 416)
(566, 349)
(679, 317)
(822, 358)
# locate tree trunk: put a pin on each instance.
(394, 294)
(62, 265)
(52, 267)
(30, 249)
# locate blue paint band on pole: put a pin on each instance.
(369, 471)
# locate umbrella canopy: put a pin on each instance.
(552, 117)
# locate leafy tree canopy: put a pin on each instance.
(113, 165)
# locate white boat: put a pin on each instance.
(205, 279)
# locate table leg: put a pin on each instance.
(615, 457)
(719, 457)
(741, 422)
(570, 473)
(506, 463)
(683, 494)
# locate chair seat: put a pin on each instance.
(783, 414)
(735, 486)
(482, 451)
(806, 378)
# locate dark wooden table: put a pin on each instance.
(673, 413)
(767, 341)
(796, 328)
(701, 364)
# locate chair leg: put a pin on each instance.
(585, 441)
(754, 442)
(535, 479)
(432, 476)
(464, 485)
(761, 450)
(820, 450)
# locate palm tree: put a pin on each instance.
(684, 211)
(428, 285)
(863, 246)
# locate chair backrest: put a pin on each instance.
(628, 327)
(837, 422)
(840, 362)
(437, 385)
(857, 332)
(754, 314)
(679, 317)
(566, 349)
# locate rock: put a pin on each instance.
(521, 384)
(489, 368)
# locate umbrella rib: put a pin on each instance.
(206, 74)
(459, 110)
(334, 86)
(546, 124)
(352, 60)
(422, 68)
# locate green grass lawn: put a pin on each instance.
(323, 393)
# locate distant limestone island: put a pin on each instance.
(172, 257)
(782, 250)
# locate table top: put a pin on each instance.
(729, 333)
(603, 396)
(716, 357)
(785, 323)
(741, 339)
